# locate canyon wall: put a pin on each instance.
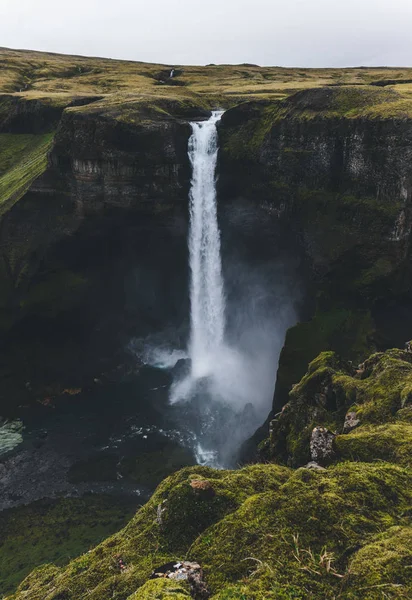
(331, 166)
(106, 201)
(334, 166)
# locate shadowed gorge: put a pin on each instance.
(205, 298)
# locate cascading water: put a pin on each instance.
(207, 299)
(206, 290)
(223, 389)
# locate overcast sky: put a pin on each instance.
(310, 33)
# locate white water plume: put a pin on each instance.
(206, 291)
(216, 367)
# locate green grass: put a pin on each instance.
(23, 158)
(56, 531)
(40, 74)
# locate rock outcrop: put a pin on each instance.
(369, 408)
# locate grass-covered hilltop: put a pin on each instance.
(94, 182)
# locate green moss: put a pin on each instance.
(266, 533)
(382, 388)
(201, 511)
(23, 158)
(55, 530)
(349, 333)
(377, 392)
(391, 442)
(163, 589)
(280, 537)
(405, 414)
(382, 568)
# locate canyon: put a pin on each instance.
(314, 184)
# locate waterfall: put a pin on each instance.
(226, 388)
(206, 288)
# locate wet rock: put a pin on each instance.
(321, 445)
(351, 421)
(314, 466)
(182, 368)
(191, 572)
(202, 488)
(161, 508)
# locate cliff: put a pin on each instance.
(334, 165)
(79, 194)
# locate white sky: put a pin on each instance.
(310, 33)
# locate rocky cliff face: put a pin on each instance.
(340, 179)
(332, 165)
(125, 157)
(112, 195)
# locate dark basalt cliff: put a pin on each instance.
(331, 165)
(335, 167)
(103, 159)
(109, 195)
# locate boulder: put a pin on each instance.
(321, 445)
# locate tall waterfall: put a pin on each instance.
(206, 289)
(225, 391)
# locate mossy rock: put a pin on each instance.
(383, 567)
(280, 537)
(349, 333)
(376, 393)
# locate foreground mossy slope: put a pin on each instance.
(264, 532)
(270, 532)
